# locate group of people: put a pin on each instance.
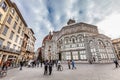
(93, 60)
(30, 63)
(48, 66)
(7, 64)
(33, 63)
(71, 63)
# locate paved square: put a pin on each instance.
(83, 72)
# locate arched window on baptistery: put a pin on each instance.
(93, 49)
(108, 44)
(80, 41)
(66, 40)
(73, 39)
(80, 38)
(102, 49)
(109, 50)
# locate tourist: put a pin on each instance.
(73, 64)
(116, 63)
(4, 67)
(58, 65)
(21, 65)
(56, 62)
(50, 67)
(45, 67)
(94, 59)
(37, 63)
(90, 61)
(41, 62)
(69, 64)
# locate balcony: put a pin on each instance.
(7, 49)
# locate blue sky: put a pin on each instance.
(44, 16)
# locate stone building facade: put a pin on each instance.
(27, 49)
(78, 41)
(13, 32)
(116, 44)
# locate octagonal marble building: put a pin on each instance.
(80, 42)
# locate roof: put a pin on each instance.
(32, 31)
(101, 36)
(116, 40)
(39, 48)
(47, 38)
(12, 4)
(34, 37)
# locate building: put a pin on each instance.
(39, 55)
(30, 44)
(116, 44)
(78, 41)
(27, 50)
(12, 32)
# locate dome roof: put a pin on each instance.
(47, 38)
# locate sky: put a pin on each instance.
(44, 16)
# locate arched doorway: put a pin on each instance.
(93, 55)
(60, 56)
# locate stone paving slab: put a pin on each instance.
(83, 72)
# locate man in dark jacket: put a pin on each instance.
(50, 67)
(116, 63)
(45, 67)
(21, 65)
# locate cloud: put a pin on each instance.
(48, 15)
(111, 25)
(35, 14)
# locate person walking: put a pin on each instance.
(41, 62)
(37, 63)
(56, 62)
(73, 64)
(50, 67)
(45, 67)
(58, 65)
(4, 67)
(94, 59)
(116, 63)
(69, 64)
(21, 65)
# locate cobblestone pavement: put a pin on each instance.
(83, 72)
